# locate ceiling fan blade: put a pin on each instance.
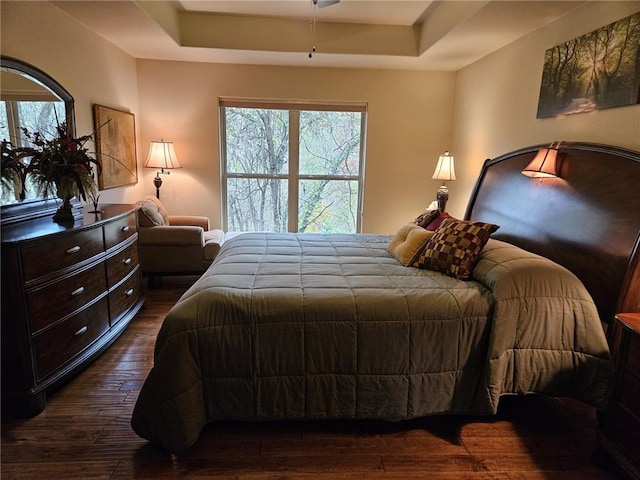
(325, 3)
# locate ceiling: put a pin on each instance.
(443, 35)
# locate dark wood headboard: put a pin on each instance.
(588, 220)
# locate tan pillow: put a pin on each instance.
(407, 244)
(161, 210)
(455, 246)
(149, 215)
(152, 212)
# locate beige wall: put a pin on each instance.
(497, 97)
(90, 68)
(413, 116)
(409, 112)
(408, 126)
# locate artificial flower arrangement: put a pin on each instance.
(61, 166)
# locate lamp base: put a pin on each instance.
(157, 181)
(442, 195)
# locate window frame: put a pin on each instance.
(293, 176)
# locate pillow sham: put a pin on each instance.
(407, 244)
(455, 246)
(426, 217)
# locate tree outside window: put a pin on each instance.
(272, 183)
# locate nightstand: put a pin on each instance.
(619, 436)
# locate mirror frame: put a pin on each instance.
(37, 207)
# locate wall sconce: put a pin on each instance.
(546, 163)
(162, 155)
(445, 171)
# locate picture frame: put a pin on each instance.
(592, 72)
(115, 147)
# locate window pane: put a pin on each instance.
(40, 117)
(328, 206)
(257, 205)
(330, 143)
(257, 140)
(4, 121)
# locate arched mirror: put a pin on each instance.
(29, 98)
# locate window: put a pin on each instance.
(292, 167)
(35, 116)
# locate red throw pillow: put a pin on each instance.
(433, 226)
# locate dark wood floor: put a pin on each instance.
(85, 433)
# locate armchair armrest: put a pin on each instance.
(171, 235)
(189, 220)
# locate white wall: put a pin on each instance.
(496, 101)
(408, 127)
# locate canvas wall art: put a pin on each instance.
(115, 147)
(598, 70)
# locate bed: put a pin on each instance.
(307, 326)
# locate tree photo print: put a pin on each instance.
(598, 70)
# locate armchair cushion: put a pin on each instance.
(190, 220)
(171, 235)
(212, 242)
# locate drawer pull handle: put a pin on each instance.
(129, 292)
(75, 249)
(82, 331)
(77, 291)
(125, 229)
(127, 261)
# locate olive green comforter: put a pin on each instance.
(304, 326)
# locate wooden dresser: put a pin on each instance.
(67, 293)
(620, 434)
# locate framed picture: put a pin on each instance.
(115, 147)
(597, 70)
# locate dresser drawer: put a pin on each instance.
(124, 296)
(121, 264)
(62, 251)
(119, 230)
(56, 300)
(633, 359)
(59, 344)
(626, 431)
(630, 394)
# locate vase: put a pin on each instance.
(64, 214)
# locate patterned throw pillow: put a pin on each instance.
(426, 217)
(455, 246)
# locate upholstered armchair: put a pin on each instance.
(174, 244)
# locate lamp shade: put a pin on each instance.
(546, 163)
(445, 169)
(162, 155)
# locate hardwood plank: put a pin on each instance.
(69, 470)
(85, 432)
